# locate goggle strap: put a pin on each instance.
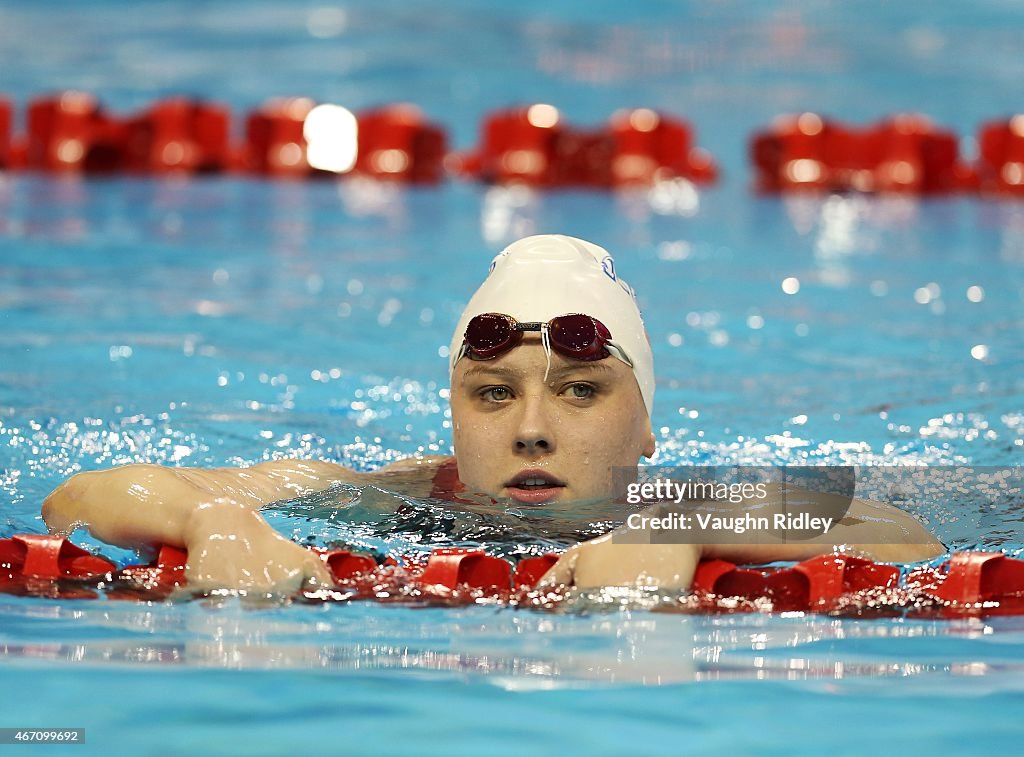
(618, 352)
(545, 340)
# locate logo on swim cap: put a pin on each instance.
(608, 266)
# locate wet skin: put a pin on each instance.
(519, 436)
(556, 439)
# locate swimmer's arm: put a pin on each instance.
(143, 505)
(412, 476)
(870, 529)
(875, 530)
(213, 513)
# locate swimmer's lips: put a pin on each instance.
(534, 486)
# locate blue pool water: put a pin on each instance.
(228, 320)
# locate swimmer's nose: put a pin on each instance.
(534, 431)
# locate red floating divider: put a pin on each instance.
(786, 589)
(518, 144)
(706, 576)
(816, 584)
(42, 556)
(274, 139)
(973, 584)
(904, 154)
(832, 576)
(651, 146)
(530, 570)
(344, 564)
(969, 584)
(166, 571)
(1001, 164)
(296, 137)
(6, 116)
(70, 132)
(533, 146)
(178, 135)
(466, 567)
(396, 142)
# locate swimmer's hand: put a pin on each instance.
(214, 514)
(230, 546)
(602, 562)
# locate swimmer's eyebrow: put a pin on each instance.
(578, 367)
(480, 369)
(490, 370)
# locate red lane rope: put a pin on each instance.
(71, 132)
(968, 584)
(902, 154)
(535, 146)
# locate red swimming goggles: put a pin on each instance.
(575, 336)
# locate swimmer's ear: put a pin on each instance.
(650, 447)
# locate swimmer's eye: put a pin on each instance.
(581, 391)
(496, 394)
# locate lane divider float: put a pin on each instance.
(904, 154)
(1001, 159)
(968, 584)
(72, 133)
(901, 154)
(532, 145)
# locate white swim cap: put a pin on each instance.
(541, 277)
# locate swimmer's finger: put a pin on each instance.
(561, 573)
(318, 575)
(61, 510)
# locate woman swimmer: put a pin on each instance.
(552, 384)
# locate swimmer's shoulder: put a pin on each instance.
(413, 476)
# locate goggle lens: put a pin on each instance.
(491, 334)
(576, 336)
(579, 336)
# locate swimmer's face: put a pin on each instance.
(533, 440)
